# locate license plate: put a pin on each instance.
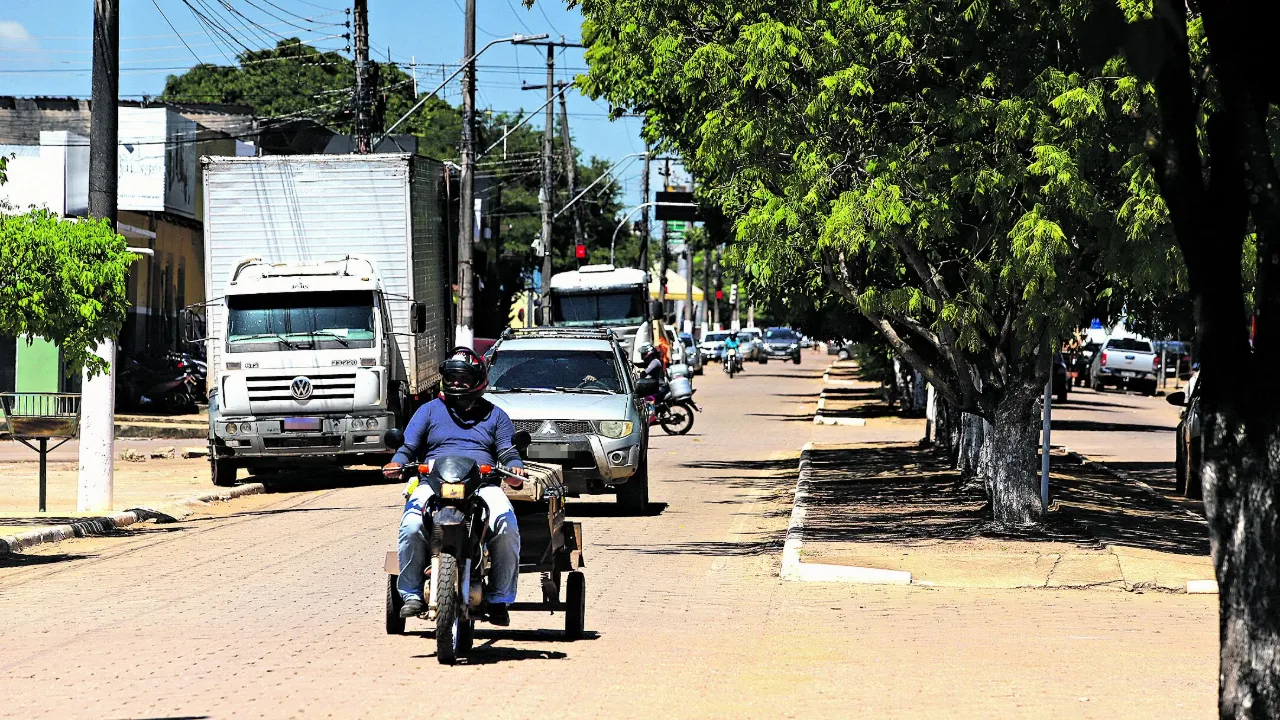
(301, 424)
(1126, 373)
(549, 451)
(452, 491)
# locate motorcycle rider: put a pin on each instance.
(460, 422)
(732, 352)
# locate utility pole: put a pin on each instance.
(464, 333)
(688, 281)
(96, 480)
(570, 166)
(644, 219)
(708, 293)
(546, 191)
(662, 261)
(364, 85)
(719, 285)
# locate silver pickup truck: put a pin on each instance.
(1125, 362)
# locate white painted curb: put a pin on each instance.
(106, 523)
(794, 569)
(824, 420)
(1202, 587)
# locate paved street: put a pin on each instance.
(273, 605)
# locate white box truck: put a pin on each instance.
(329, 310)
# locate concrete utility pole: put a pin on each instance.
(644, 219)
(708, 293)
(95, 492)
(464, 333)
(544, 195)
(364, 85)
(716, 319)
(662, 260)
(688, 281)
(570, 166)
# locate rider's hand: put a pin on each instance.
(515, 482)
(391, 470)
(589, 379)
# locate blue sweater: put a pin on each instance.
(483, 434)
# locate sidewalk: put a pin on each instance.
(874, 501)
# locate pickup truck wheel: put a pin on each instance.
(575, 606)
(395, 623)
(1195, 490)
(796, 360)
(843, 354)
(223, 472)
(633, 495)
(1061, 395)
(1179, 468)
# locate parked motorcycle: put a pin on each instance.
(198, 369)
(156, 386)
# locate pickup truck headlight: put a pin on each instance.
(615, 429)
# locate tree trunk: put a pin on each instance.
(1241, 475)
(968, 460)
(1011, 463)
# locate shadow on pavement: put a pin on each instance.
(19, 560)
(1096, 426)
(766, 546)
(574, 508)
(902, 493)
(320, 478)
(781, 416)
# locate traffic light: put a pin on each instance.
(719, 294)
(733, 294)
(580, 251)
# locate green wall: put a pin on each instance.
(37, 367)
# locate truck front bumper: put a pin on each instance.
(263, 438)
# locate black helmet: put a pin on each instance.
(648, 352)
(463, 377)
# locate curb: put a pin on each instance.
(795, 569)
(106, 523)
(824, 420)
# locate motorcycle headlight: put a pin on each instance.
(452, 491)
(615, 429)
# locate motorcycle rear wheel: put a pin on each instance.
(448, 617)
(678, 419)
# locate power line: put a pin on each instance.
(175, 31)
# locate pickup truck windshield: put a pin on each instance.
(557, 370)
(615, 307)
(1131, 344)
(300, 321)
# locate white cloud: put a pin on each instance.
(14, 35)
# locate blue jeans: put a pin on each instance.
(503, 544)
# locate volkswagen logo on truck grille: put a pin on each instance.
(301, 387)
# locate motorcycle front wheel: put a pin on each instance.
(448, 615)
(678, 419)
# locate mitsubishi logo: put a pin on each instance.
(547, 428)
(301, 387)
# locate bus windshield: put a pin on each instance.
(611, 307)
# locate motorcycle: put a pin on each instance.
(459, 522)
(674, 415)
(732, 362)
(156, 387)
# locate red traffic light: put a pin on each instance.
(580, 251)
(719, 294)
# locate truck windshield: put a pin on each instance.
(300, 321)
(614, 307)
(583, 371)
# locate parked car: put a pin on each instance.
(806, 342)
(782, 343)
(1177, 356)
(1082, 360)
(573, 391)
(842, 349)
(752, 341)
(692, 355)
(1187, 445)
(1061, 378)
(712, 345)
(1127, 362)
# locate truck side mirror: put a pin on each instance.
(1176, 398)
(190, 330)
(418, 318)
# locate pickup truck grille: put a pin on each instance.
(264, 388)
(560, 427)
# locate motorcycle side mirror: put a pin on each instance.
(1178, 398)
(394, 438)
(522, 440)
(647, 386)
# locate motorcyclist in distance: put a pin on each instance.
(460, 422)
(731, 344)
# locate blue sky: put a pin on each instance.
(45, 50)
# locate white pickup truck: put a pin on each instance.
(1127, 362)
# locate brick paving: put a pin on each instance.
(272, 607)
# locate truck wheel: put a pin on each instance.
(223, 472)
(575, 606)
(1152, 388)
(447, 616)
(633, 495)
(395, 623)
(764, 359)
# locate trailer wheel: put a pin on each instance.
(395, 623)
(447, 621)
(466, 635)
(575, 602)
(223, 472)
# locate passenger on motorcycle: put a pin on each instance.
(651, 358)
(459, 422)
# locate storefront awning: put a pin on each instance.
(675, 286)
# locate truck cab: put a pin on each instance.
(307, 366)
(602, 296)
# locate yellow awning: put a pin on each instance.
(676, 289)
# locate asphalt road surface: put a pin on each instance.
(273, 607)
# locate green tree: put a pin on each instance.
(63, 280)
(957, 172)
